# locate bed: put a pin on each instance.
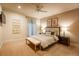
(50, 37)
(45, 40)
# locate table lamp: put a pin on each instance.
(64, 29)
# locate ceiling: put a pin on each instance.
(29, 9)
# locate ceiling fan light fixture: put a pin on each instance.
(39, 8)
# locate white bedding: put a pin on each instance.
(45, 40)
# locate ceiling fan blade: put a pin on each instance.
(39, 8)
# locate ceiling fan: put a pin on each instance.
(39, 8)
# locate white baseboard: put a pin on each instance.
(12, 40)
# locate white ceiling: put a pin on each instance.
(29, 9)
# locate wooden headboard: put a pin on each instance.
(56, 30)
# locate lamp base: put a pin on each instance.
(64, 33)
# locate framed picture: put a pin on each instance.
(49, 21)
(3, 18)
(54, 22)
(0, 19)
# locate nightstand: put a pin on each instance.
(64, 40)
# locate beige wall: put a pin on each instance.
(38, 26)
(69, 19)
(11, 18)
(0, 9)
(0, 29)
(1, 36)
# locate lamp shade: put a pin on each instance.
(64, 28)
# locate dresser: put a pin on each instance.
(64, 40)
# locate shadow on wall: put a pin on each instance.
(74, 31)
(66, 25)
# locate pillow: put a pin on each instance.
(52, 33)
(48, 33)
(56, 38)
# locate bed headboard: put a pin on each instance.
(53, 30)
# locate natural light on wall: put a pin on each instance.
(64, 30)
(43, 28)
(66, 23)
(65, 26)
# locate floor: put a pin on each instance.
(20, 48)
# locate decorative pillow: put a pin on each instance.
(56, 38)
(48, 33)
(52, 33)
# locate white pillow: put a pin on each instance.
(48, 33)
(56, 38)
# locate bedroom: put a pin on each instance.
(23, 20)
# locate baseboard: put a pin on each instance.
(13, 40)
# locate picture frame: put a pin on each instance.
(0, 19)
(54, 22)
(49, 21)
(3, 18)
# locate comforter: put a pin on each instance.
(45, 40)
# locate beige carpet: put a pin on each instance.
(19, 48)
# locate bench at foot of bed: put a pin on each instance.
(35, 42)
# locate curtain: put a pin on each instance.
(31, 27)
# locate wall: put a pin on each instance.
(0, 30)
(0, 36)
(15, 27)
(38, 26)
(70, 19)
(0, 9)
